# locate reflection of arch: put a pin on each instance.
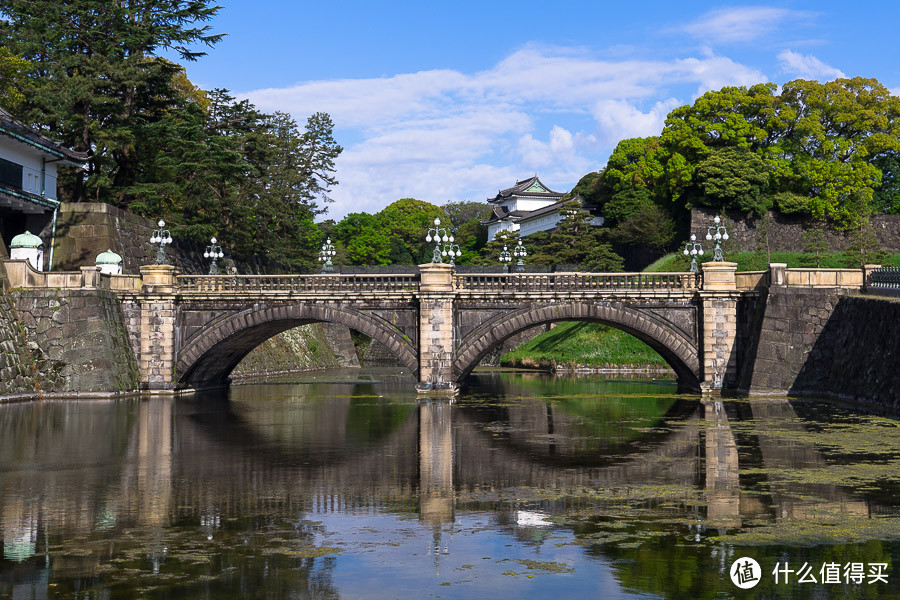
(214, 352)
(483, 419)
(677, 350)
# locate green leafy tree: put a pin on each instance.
(886, 197)
(12, 73)
(590, 188)
(361, 236)
(734, 178)
(463, 212)
(408, 220)
(650, 226)
(836, 130)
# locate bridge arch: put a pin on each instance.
(211, 354)
(676, 349)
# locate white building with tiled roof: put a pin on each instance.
(28, 170)
(527, 207)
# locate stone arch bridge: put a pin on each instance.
(190, 331)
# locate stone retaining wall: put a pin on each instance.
(19, 369)
(82, 333)
(313, 346)
(826, 342)
(785, 231)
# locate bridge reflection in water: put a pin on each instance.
(230, 472)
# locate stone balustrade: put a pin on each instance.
(629, 283)
(751, 280)
(22, 275)
(832, 278)
(299, 284)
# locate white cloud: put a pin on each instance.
(806, 66)
(740, 23)
(445, 135)
(619, 120)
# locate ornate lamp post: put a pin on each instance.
(452, 250)
(438, 234)
(694, 249)
(718, 233)
(162, 237)
(213, 251)
(325, 256)
(520, 253)
(505, 258)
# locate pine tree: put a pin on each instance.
(96, 77)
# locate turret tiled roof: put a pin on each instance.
(532, 187)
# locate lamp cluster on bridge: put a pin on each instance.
(439, 234)
(718, 233)
(505, 257)
(520, 253)
(325, 256)
(162, 237)
(213, 251)
(693, 249)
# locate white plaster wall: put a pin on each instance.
(530, 204)
(30, 159)
(541, 223)
(495, 228)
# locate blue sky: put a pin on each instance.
(454, 101)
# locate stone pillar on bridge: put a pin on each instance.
(719, 325)
(436, 325)
(157, 359)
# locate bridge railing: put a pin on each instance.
(300, 284)
(577, 282)
(885, 277)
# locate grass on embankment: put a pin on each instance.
(589, 344)
(756, 261)
(594, 345)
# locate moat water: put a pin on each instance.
(346, 485)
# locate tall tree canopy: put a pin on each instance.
(822, 149)
(94, 79)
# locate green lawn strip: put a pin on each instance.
(578, 343)
(756, 261)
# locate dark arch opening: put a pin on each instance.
(210, 355)
(673, 346)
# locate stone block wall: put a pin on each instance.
(786, 231)
(313, 346)
(827, 342)
(82, 333)
(86, 229)
(19, 373)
